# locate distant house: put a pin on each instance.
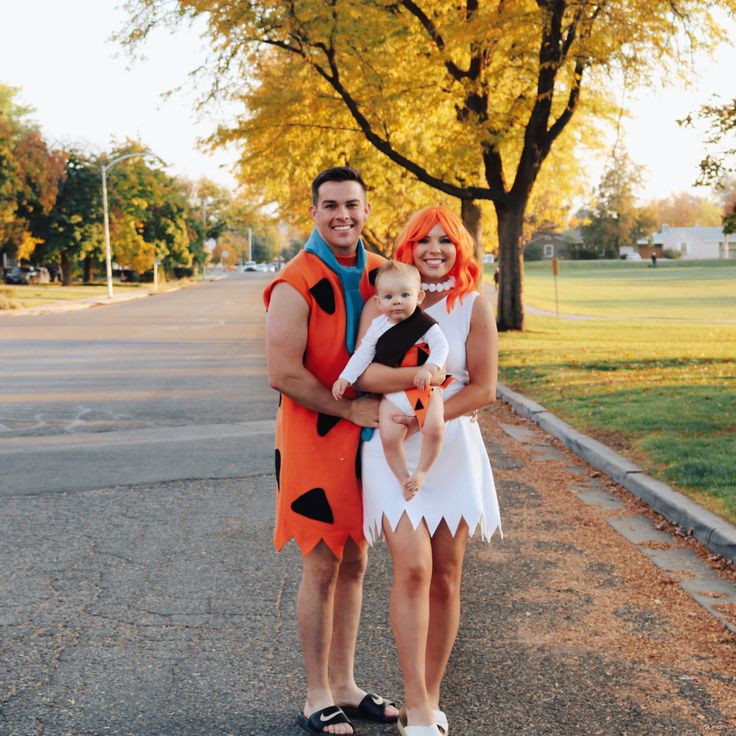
(554, 244)
(7, 262)
(691, 242)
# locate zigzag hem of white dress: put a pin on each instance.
(373, 530)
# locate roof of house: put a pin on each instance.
(688, 234)
(701, 233)
(571, 235)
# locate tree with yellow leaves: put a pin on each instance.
(30, 175)
(300, 128)
(468, 97)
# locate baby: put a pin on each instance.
(390, 336)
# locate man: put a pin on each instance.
(313, 311)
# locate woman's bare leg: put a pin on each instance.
(411, 553)
(444, 603)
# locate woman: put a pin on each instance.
(427, 535)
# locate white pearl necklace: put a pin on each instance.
(442, 286)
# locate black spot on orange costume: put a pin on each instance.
(319, 493)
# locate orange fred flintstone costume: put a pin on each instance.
(317, 455)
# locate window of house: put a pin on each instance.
(549, 250)
(684, 248)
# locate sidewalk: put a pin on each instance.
(70, 305)
(666, 542)
(74, 304)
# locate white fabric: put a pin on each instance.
(401, 401)
(460, 484)
(366, 351)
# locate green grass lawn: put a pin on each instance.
(42, 294)
(660, 391)
(688, 290)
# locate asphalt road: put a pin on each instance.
(168, 387)
(140, 594)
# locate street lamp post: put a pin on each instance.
(108, 253)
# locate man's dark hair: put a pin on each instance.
(336, 173)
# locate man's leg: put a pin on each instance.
(346, 618)
(315, 617)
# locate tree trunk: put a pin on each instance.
(87, 269)
(66, 268)
(473, 220)
(510, 309)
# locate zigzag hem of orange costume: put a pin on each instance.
(307, 542)
(433, 521)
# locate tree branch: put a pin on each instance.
(558, 126)
(493, 165)
(332, 77)
(453, 69)
(535, 137)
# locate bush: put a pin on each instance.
(669, 253)
(581, 252)
(183, 272)
(534, 252)
(126, 275)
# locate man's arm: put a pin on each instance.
(287, 324)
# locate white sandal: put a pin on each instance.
(405, 730)
(432, 730)
(441, 720)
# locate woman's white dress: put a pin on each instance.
(460, 483)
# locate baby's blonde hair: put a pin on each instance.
(393, 266)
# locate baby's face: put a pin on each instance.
(397, 295)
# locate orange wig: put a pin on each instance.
(466, 271)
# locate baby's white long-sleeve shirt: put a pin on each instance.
(366, 351)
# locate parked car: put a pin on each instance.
(250, 266)
(27, 275)
(630, 257)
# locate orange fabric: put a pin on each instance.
(419, 397)
(317, 461)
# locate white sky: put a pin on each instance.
(86, 91)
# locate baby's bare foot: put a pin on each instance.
(410, 488)
(416, 481)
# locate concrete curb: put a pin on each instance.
(74, 304)
(714, 532)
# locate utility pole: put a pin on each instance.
(108, 251)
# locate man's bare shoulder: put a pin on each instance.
(294, 276)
